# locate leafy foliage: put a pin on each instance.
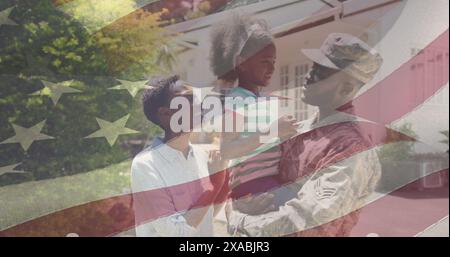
(392, 153)
(49, 44)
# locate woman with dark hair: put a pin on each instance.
(243, 53)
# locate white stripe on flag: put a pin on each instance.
(96, 14)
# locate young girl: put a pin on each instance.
(243, 52)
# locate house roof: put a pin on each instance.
(285, 16)
(289, 14)
(239, 3)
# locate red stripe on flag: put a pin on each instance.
(114, 215)
(402, 91)
(406, 211)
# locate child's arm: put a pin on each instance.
(234, 146)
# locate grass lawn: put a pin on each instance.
(29, 200)
(22, 202)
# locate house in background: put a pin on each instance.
(294, 28)
(298, 24)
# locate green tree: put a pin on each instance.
(50, 43)
(392, 153)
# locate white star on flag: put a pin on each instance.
(4, 17)
(26, 136)
(112, 130)
(10, 169)
(55, 90)
(133, 87)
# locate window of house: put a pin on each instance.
(301, 109)
(284, 82)
(429, 65)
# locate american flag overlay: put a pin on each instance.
(348, 98)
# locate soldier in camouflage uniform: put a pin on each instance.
(330, 165)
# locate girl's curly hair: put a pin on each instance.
(237, 35)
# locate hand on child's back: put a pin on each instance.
(255, 205)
